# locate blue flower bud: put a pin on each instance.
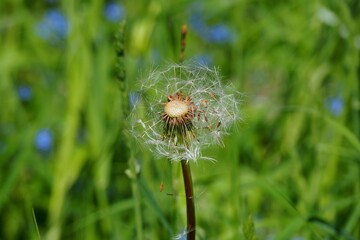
(24, 92)
(44, 140)
(114, 12)
(53, 26)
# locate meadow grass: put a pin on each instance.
(69, 169)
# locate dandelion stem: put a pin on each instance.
(190, 206)
(185, 166)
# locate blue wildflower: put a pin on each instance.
(114, 12)
(44, 140)
(219, 34)
(24, 92)
(53, 26)
(335, 105)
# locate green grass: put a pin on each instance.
(292, 165)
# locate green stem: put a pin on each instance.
(121, 76)
(137, 198)
(190, 206)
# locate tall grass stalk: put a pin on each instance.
(36, 225)
(133, 166)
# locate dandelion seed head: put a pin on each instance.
(184, 108)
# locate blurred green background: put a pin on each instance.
(69, 170)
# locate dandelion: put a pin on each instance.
(184, 108)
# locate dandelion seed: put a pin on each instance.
(183, 109)
(181, 236)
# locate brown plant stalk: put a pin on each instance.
(185, 166)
